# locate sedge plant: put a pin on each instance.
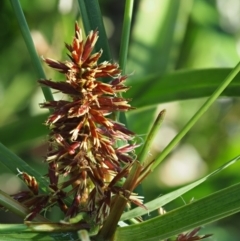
(93, 171)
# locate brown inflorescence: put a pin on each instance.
(84, 156)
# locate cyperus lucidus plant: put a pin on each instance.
(84, 157)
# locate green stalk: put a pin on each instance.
(12, 228)
(127, 20)
(144, 152)
(197, 116)
(119, 205)
(30, 46)
(40, 227)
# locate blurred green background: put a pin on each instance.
(167, 35)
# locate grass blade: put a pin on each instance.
(161, 201)
(152, 38)
(179, 85)
(125, 34)
(12, 205)
(84, 16)
(12, 162)
(30, 46)
(155, 128)
(206, 210)
(196, 117)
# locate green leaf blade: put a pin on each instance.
(161, 201)
(180, 85)
(206, 210)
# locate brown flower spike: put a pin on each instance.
(83, 151)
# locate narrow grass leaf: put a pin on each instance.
(152, 38)
(155, 128)
(197, 115)
(84, 16)
(30, 46)
(206, 210)
(161, 201)
(12, 162)
(125, 34)
(179, 85)
(12, 205)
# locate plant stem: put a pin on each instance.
(119, 205)
(127, 20)
(144, 152)
(197, 116)
(30, 46)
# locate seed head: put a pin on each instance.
(83, 142)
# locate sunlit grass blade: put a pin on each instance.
(125, 34)
(197, 116)
(153, 36)
(30, 46)
(15, 207)
(206, 210)
(127, 20)
(162, 200)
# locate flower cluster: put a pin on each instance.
(84, 156)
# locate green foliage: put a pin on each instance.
(175, 55)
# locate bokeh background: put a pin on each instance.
(167, 35)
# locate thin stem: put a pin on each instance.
(127, 20)
(11, 228)
(196, 117)
(144, 152)
(30, 46)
